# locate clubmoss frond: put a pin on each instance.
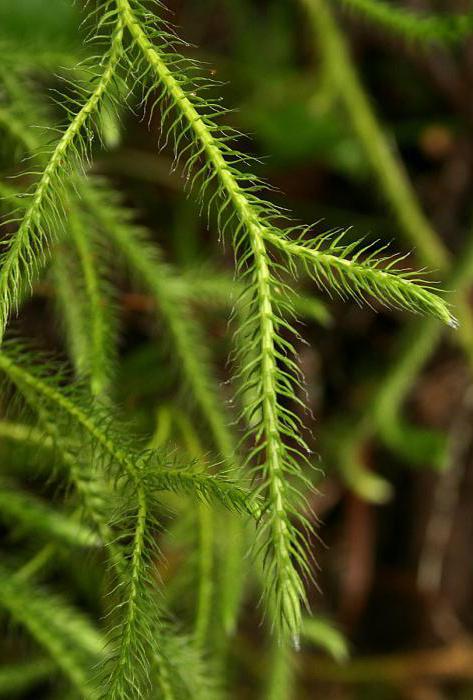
(248, 216)
(209, 158)
(446, 28)
(29, 244)
(363, 271)
(133, 639)
(69, 638)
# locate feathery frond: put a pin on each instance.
(363, 271)
(28, 246)
(208, 158)
(239, 208)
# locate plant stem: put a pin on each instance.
(391, 176)
(287, 581)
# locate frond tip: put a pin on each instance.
(358, 271)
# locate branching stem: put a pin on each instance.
(249, 221)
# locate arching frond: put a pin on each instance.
(210, 159)
(239, 208)
(363, 272)
(44, 214)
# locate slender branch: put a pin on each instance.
(287, 583)
(27, 246)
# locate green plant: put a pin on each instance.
(441, 28)
(66, 229)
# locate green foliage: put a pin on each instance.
(36, 517)
(73, 644)
(441, 28)
(16, 678)
(95, 360)
(71, 231)
(43, 215)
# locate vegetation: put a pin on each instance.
(157, 481)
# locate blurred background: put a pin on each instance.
(356, 126)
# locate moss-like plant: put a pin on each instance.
(72, 225)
